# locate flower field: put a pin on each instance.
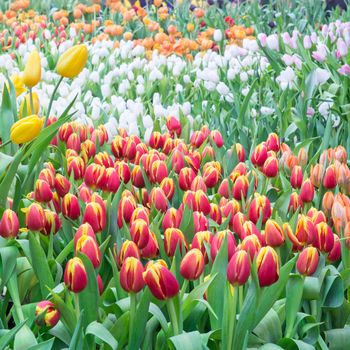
(174, 175)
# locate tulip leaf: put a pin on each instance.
(24, 339)
(8, 263)
(9, 335)
(100, 331)
(338, 339)
(186, 341)
(294, 293)
(245, 104)
(6, 118)
(46, 345)
(269, 328)
(119, 329)
(291, 344)
(88, 297)
(192, 298)
(77, 341)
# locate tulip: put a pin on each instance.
(32, 70)
(96, 176)
(126, 207)
(47, 314)
(123, 171)
(140, 213)
(158, 199)
(161, 281)
(95, 215)
(158, 171)
(26, 108)
(168, 187)
(127, 249)
(308, 261)
(84, 230)
(211, 176)
(137, 177)
(42, 191)
(259, 155)
(305, 231)
(217, 138)
(267, 266)
(70, 206)
(296, 177)
(139, 232)
(273, 142)
(151, 250)
(200, 221)
(295, 202)
(52, 222)
(65, 131)
(240, 187)
(274, 235)
(26, 129)
(307, 191)
(237, 223)
(172, 218)
(215, 213)
(259, 206)
(18, 84)
(72, 61)
(324, 238)
(88, 246)
(335, 254)
(316, 175)
(249, 228)
(35, 217)
(186, 177)
(217, 241)
(197, 138)
(75, 275)
(297, 245)
(330, 178)
(76, 165)
(49, 176)
(192, 265)
(270, 167)
(131, 273)
(9, 224)
(157, 140)
(173, 125)
(238, 268)
(251, 244)
(173, 237)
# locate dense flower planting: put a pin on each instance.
(172, 177)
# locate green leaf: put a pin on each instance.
(7, 338)
(8, 263)
(40, 265)
(338, 339)
(68, 316)
(46, 345)
(77, 342)
(243, 110)
(187, 341)
(269, 328)
(100, 331)
(24, 339)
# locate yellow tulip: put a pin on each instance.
(32, 69)
(18, 84)
(26, 129)
(26, 102)
(190, 27)
(72, 62)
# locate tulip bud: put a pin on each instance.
(139, 232)
(274, 235)
(217, 138)
(249, 228)
(186, 177)
(70, 206)
(302, 157)
(112, 181)
(173, 125)
(95, 215)
(200, 221)
(76, 166)
(240, 187)
(260, 206)
(267, 266)
(324, 238)
(131, 278)
(151, 250)
(73, 142)
(335, 254)
(308, 261)
(9, 224)
(305, 231)
(88, 245)
(296, 177)
(211, 176)
(172, 218)
(157, 140)
(123, 171)
(295, 202)
(84, 230)
(96, 176)
(35, 217)
(251, 244)
(316, 175)
(140, 213)
(173, 237)
(215, 213)
(270, 167)
(168, 187)
(192, 264)
(307, 191)
(158, 199)
(52, 222)
(238, 268)
(62, 185)
(161, 282)
(72, 61)
(330, 178)
(42, 191)
(127, 249)
(273, 142)
(126, 207)
(26, 129)
(75, 275)
(297, 245)
(32, 69)
(49, 176)
(217, 241)
(197, 138)
(158, 171)
(137, 177)
(259, 155)
(47, 313)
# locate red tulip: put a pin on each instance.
(238, 268)
(259, 206)
(9, 224)
(70, 206)
(307, 191)
(267, 266)
(75, 275)
(139, 233)
(88, 245)
(47, 314)
(308, 261)
(296, 177)
(274, 235)
(192, 264)
(173, 237)
(95, 215)
(35, 217)
(324, 238)
(62, 185)
(131, 278)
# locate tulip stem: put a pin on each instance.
(76, 302)
(133, 304)
(183, 289)
(5, 143)
(172, 314)
(231, 310)
(31, 102)
(51, 100)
